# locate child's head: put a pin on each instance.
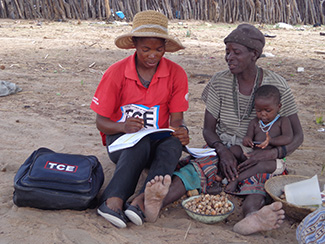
(267, 103)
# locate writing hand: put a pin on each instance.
(132, 125)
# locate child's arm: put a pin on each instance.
(286, 134)
(248, 139)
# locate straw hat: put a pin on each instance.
(149, 24)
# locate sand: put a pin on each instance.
(58, 65)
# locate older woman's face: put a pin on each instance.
(149, 51)
(239, 58)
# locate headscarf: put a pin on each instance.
(248, 36)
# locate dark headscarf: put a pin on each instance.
(248, 36)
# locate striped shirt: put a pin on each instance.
(219, 100)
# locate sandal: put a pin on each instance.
(135, 214)
(116, 218)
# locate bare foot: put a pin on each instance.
(267, 218)
(232, 186)
(154, 194)
(215, 189)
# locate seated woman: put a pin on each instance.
(229, 103)
(142, 91)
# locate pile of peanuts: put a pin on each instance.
(209, 204)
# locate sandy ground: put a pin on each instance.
(59, 65)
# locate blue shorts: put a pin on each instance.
(190, 177)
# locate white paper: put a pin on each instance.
(201, 152)
(130, 139)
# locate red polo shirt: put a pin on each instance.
(120, 93)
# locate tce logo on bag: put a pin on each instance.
(61, 167)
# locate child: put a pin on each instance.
(266, 130)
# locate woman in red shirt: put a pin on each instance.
(142, 91)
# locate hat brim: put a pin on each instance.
(125, 41)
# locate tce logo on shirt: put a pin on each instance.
(60, 167)
(150, 116)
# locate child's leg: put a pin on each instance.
(185, 179)
(237, 151)
(176, 191)
(261, 167)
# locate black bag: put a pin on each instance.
(49, 180)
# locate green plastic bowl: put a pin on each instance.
(207, 219)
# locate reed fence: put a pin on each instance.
(228, 11)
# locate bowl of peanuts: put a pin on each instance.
(207, 208)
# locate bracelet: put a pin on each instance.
(278, 152)
(184, 126)
(284, 151)
(212, 145)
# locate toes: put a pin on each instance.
(276, 206)
(280, 221)
(167, 180)
(281, 212)
(159, 178)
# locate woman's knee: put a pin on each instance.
(138, 154)
(267, 166)
(173, 143)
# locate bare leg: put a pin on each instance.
(216, 188)
(267, 218)
(253, 203)
(232, 186)
(139, 200)
(154, 194)
(114, 203)
(261, 167)
(176, 191)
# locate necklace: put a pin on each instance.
(144, 82)
(265, 128)
(250, 103)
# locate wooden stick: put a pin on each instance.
(108, 9)
(188, 229)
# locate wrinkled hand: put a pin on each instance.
(132, 125)
(265, 143)
(228, 164)
(181, 134)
